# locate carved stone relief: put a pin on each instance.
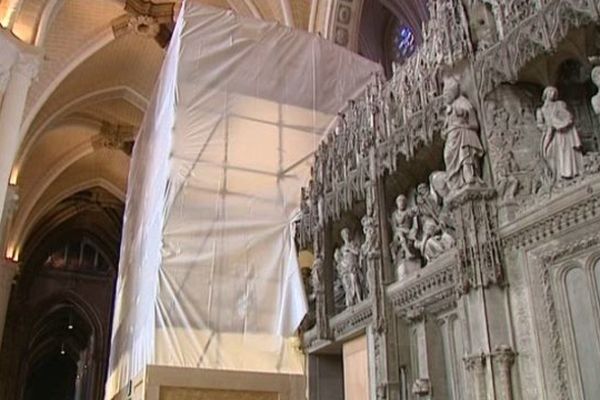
(422, 231)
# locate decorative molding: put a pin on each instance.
(580, 206)
(351, 320)
(433, 289)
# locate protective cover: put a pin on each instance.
(208, 274)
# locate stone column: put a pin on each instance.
(504, 358)
(8, 269)
(482, 289)
(11, 116)
(476, 374)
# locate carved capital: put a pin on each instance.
(144, 25)
(504, 357)
(415, 314)
(475, 363)
(421, 387)
(475, 367)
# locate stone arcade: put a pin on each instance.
(467, 186)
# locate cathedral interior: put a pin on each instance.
(299, 199)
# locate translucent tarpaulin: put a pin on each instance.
(208, 274)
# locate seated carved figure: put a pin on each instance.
(434, 241)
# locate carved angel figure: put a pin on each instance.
(463, 150)
(560, 144)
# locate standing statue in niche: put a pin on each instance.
(596, 98)
(463, 150)
(339, 295)
(318, 291)
(560, 144)
(347, 265)
(368, 248)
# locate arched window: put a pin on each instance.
(77, 255)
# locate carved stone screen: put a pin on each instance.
(208, 274)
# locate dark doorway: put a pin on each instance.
(53, 379)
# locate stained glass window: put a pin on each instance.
(403, 41)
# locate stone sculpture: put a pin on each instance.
(404, 254)
(434, 240)
(347, 265)
(463, 150)
(507, 184)
(369, 246)
(318, 290)
(596, 98)
(560, 146)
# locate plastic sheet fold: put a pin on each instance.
(208, 273)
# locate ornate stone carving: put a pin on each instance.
(318, 296)
(463, 151)
(475, 366)
(595, 101)
(382, 132)
(479, 250)
(561, 147)
(421, 387)
(503, 358)
(404, 254)
(348, 267)
(115, 137)
(369, 250)
(482, 24)
(144, 25)
(434, 240)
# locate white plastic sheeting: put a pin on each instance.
(208, 274)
